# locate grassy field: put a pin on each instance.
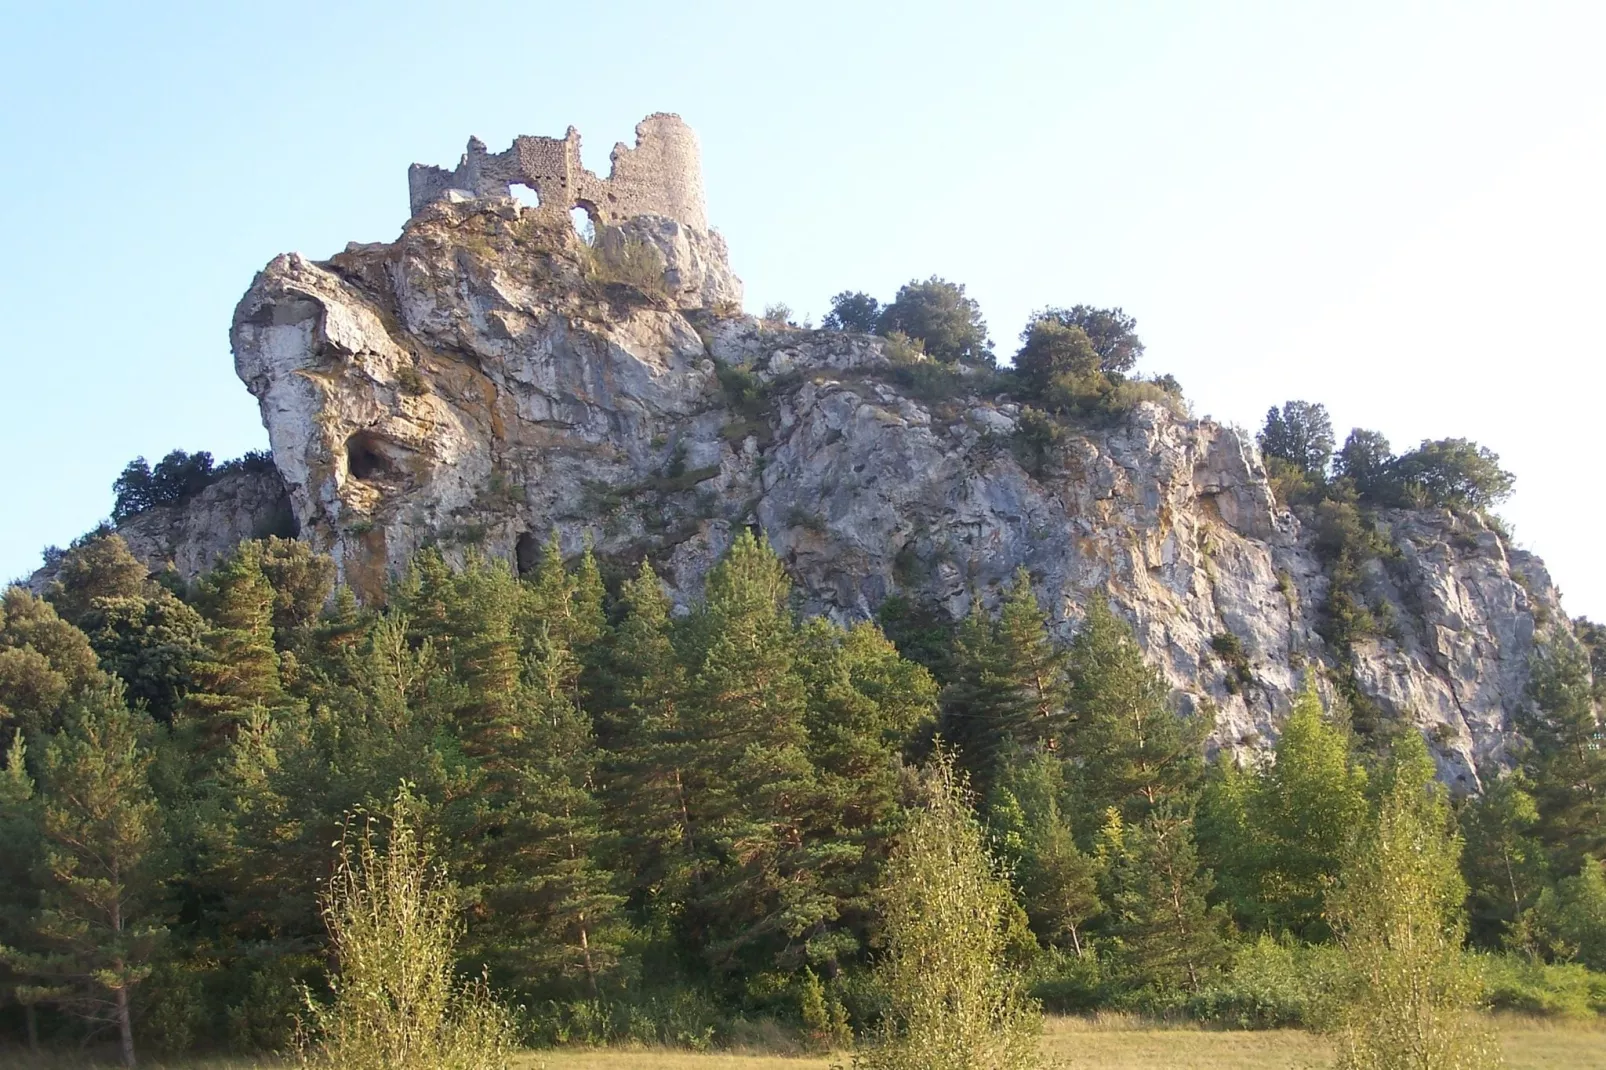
(1074, 1043)
(1116, 1044)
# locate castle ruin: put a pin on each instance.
(661, 175)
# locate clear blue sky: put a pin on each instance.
(1392, 208)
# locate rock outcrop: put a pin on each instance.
(488, 379)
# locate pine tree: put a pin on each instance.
(1009, 689)
(20, 846)
(239, 671)
(1566, 760)
(100, 826)
(1397, 913)
(953, 1003)
(1131, 749)
(644, 770)
(864, 704)
(1057, 881)
(750, 786)
(1170, 936)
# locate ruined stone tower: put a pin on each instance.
(661, 175)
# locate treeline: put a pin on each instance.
(664, 824)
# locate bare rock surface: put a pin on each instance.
(482, 382)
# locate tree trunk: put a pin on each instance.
(125, 1027)
(31, 1017)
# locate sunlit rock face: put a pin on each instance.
(482, 382)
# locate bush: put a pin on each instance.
(397, 1005)
(853, 311)
(1528, 986)
(938, 313)
(1111, 334)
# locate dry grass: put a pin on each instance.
(1108, 1042)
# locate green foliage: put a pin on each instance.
(1366, 461)
(1169, 937)
(175, 477)
(92, 940)
(1566, 759)
(952, 1003)
(1007, 689)
(1450, 472)
(1504, 863)
(939, 315)
(1572, 916)
(1131, 750)
(1110, 332)
(1397, 912)
(396, 1004)
(1278, 834)
(1300, 433)
(853, 311)
(1525, 985)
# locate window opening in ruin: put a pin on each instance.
(364, 460)
(524, 195)
(583, 224)
(527, 553)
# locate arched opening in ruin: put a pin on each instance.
(584, 218)
(365, 457)
(527, 553)
(525, 196)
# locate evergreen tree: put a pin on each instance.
(239, 670)
(864, 704)
(644, 770)
(1169, 936)
(1566, 759)
(100, 826)
(1058, 882)
(1131, 749)
(20, 846)
(1504, 863)
(750, 785)
(1009, 687)
(44, 662)
(1397, 913)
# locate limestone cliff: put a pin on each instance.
(487, 379)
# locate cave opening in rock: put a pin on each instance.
(527, 553)
(364, 459)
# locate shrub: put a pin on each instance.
(397, 1006)
(1111, 334)
(938, 313)
(617, 257)
(953, 1003)
(853, 311)
(1529, 986)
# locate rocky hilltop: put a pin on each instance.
(490, 377)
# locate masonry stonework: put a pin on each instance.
(661, 175)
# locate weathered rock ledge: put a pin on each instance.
(481, 382)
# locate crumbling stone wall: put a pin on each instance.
(661, 175)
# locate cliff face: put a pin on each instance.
(481, 382)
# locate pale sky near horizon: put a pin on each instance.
(1393, 208)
